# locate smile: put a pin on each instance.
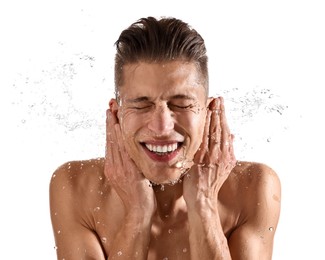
(162, 152)
(161, 149)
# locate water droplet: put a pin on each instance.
(172, 183)
(162, 187)
(53, 176)
(96, 209)
(170, 231)
(59, 231)
(271, 229)
(184, 250)
(178, 165)
(55, 248)
(119, 253)
(104, 239)
(165, 258)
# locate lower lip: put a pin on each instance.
(161, 158)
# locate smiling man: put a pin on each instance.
(169, 186)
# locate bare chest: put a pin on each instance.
(169, 241)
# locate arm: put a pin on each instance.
(254, 238)
(73, 225)
(259, 198)
(212, 165)
(73, 239)
(134, 191)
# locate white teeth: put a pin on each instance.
(161, 148)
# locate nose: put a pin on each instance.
(162, 120)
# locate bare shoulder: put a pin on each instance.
(75, 189)
(78, 174)
(257, 188)
(250, 183)
(77, 183)
(255, 182)
(252, 173)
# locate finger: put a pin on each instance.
(231, 150)
(115, 146)
(119, 138)
(124, 156)
(225, 132)
(205, 139)
(112, 147)
(108, 150)
(215, 129)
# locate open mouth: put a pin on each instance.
(162, 152)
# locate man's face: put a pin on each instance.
(162, 114)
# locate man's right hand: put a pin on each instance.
(125, 177)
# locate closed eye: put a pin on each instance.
(181, 107)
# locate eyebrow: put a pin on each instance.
(138, 99)
(183, 96)
(146, 99)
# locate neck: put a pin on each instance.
(169, 200)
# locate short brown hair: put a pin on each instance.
(152, 40)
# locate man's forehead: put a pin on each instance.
(176, 77)
(177, 68)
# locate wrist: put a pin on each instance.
(203, 207)
(138, 216)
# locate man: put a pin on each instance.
(169, 186)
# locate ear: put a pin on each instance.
(113, 106)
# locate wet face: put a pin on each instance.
(162, 114)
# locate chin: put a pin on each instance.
(157, 177)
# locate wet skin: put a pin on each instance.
(165, 127)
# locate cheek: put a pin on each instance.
(129, 127)
(128, 123)
(194, 125)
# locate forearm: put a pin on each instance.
(207, 240)
(132, 241)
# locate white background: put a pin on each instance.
(267, 58)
